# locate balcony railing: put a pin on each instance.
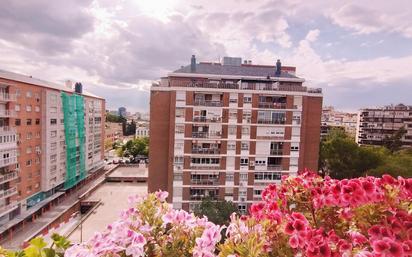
(206, 134)
(268, 121)
(208, 103)
(205, 151)
(6, 208)
(7, 193)
(274, 167)
(272, 105)
(7, 113)
(8, 177)
(8, 130)
(205, 166)
(5, 97)
(8, 161)
(276, 151)
(205, 182)
(206, 119)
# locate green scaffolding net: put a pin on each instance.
(73, 111)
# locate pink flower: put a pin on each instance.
(161, 195)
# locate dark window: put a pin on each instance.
(53, 121)
(37, 121)
(28, 122)
(18, 122)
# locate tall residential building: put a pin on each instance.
(51, 138)
(376, 123)
(122, 111)
(228, 130)
(337, 119)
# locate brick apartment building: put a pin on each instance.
(227, 130)
(376, 123)
(51, 137)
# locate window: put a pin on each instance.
(53, 109)
(242, 208)
(245, 146)
(180, 112)
(245, 130)
(28, 108)
(37, 121)
(243, 176)
(177, 177)
(17, 107)
(17, 122)
(28, 163)
(232, 130)
(37, 134)
(28, 122)
(37, 160)
(268, 176)
(29, 94)
(53, 99)
(37, 149)
(247, 99)
(37, 96)
(229, 177)
(18, 93)
(37, 108)
(28, 149)
(244, 161)
(29, 135)
(53, 133)
(53, 121)
(231, 145)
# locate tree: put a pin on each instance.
(114, 118)
(217, 212)
(397, 164)
(394, 142)
(135, 147)
(340, 157)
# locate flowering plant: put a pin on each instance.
(306, 215)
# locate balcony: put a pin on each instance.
(6, 97)
(8, 161)
(207, 180)
(268, 105)
(206, 134)
(206, 150)
(269, 121)
(274, 167)
(7, 114)
(6, 208)
(8, 192)
(208, 103)
(9, 177)
(207, 119)
(276, 151)
(195, 166)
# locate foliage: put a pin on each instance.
(129, 129)
(340, 157)
(394, 142)
(38, 248)
(217, 212)
(305, 216)
(134, 147)
(114, 118)
(396, 164)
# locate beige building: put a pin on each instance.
(227, 130)
(332, 118)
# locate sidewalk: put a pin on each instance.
(32, 227)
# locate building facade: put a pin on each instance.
(52, 137)
(377, 123)
(142, 129)
(331, 118)
(113, 133)
(228, 130)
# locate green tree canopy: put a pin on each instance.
(217, 212)
(394, 142)
(135, 147)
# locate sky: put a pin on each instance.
(358, 52)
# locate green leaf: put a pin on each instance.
(48, 252)
(38, 242)
(32, 251)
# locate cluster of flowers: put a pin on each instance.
(306, 215)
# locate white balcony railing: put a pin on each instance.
(8, 192)
(7, 113)
(8, 177)
(8, 161)
(6, 208)
(6, 97)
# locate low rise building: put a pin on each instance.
(331, 118)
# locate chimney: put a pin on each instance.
(245, 62)
(278, 67)
(193, 64)
(78, 88)
(249, 62)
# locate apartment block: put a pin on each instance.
(227, 130)
(332, 118)
(375, 124)
(51, 138)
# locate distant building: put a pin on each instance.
(122, 111)
(343, 120)
(142, 129)
(226, 131)
(377, 123)
(113, 132)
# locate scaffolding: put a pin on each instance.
(73, 111)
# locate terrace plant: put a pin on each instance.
(306, 215)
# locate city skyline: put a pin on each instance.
(117, 49)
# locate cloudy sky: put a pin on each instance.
(359, 52)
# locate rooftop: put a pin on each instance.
(39, 82)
